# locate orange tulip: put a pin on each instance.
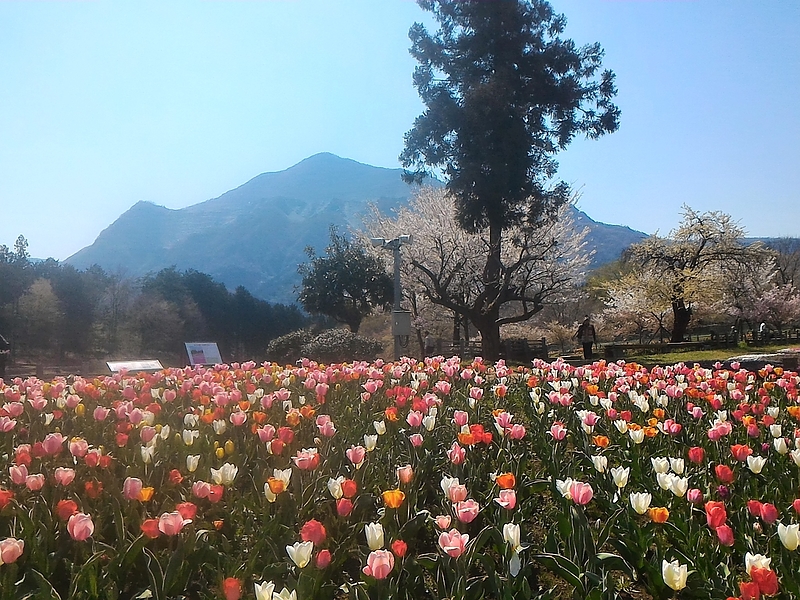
(307, 411)
(601, 440)
(658, 514)
(146, 494)
(276, 486)
(393, 498)
(506, 481)
(658, 413)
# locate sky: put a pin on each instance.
(104, 103)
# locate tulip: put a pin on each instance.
(766, 579)
(769, 514)
(724, 473)
(66, 508)
(393, 498)
(150, 528)
(674, 574)
(694, 495)
(405, 474)
(466, 511)
(442, 521)
(679, 485)
(306, 459)
(696, 454)
(10, 550)
(511, 535)
(192, 462)
(756, 463)
(581, 493)
(600, 463)
(232, 588)
(507, 499)
(724, 535)
(658, 514)
(225, 474)
(374, 533)
(344, 506)
(456, 454)
(755, 560)
(660, 465)
(323, 559)
(300, 553)
(379, 564)
(34, 482)
(399, 548)
(131, 488)
(789, 535)
(370, 442)
(620, 476)
(285, 594)
(80, 527)
(453, 542)
(335, 487)
(379, 426)
(171, 523)
(416, 440)
(64, 476)
(313, 531)
(640, 502)
(264, 590)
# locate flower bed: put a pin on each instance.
(415, 480)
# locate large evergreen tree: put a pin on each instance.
(503, 94)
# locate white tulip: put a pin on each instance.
(674, 574)
(660, 465)
(640, 502)
(264, 590)
(220, 426)
(677, 465)
(285, 594)
(756, 560)
(620, 476)
(756, 463)
(300, 553)
(335, 487)
(780, 445)
(664, 480)
(637, 436)
(374, 533)
(225, 474)
(511, 535)
(789, 535)
(600, 463)
(776, 430)
(370, 441)
(795, 454)
(192, 461)
(380, 427)
(679, 485)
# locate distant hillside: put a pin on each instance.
(255, 235)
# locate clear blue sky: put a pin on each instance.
(104, 103)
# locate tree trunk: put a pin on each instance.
(681, 314)
(490, 337)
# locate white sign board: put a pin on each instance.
(134, 365)
(203, 353)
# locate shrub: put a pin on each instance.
(287, 348)
(339, 345)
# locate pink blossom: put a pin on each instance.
(19, 474)
(443, 521)
(14, 409)
(131, 488)
(443, 387)
(171, 523)
(457, 493)
(414, 418)
(581, 493)
(64, 476)
(466, 511)
(456, 454)
(266, 433)
(34, 482)
(453, 542)
(503, 420)
(307, 459)
(78, 447)
(558, 431)
(379, 564)
(356, 455)
(147, 433)
(460, 418)
(10, 550)
(7, 424)
(238, 418)
(201, 489)
(507, 499)
(53, 442)
(517, 432)
(476, 393)
(416, 440)
(80, 527)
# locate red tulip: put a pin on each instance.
(323, 559)
(766, 579)
(724, 474)
(399, 547)
(5, 497)
(725, 535)
(754, 507)
(716, 515)
(344, 506)
(149, 527)
(741, 452)
(769, 514)
(697, 454)
(232, 588)
(188, 510)
(748, 590)
(313, 531)
(65, 509)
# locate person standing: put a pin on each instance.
(5, 352)
(587, 336)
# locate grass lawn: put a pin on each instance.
(691, 356)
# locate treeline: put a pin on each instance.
(49, 309)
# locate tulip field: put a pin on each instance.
(425, 480)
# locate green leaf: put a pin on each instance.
(564, 568)
(155, 574)
(45, 587)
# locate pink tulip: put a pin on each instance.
(443, 387)
(581, 493)
(507, 499)
(453, 542)
(53, 443)
(100, 413)
(356, 454)
(414, 418)
(34, 482)
(131, 488)
(10, 550)
(19, 473)
(6, 424)
(14, 409)
(456, 454)
(266, 433)
(517, 432)
(379, 564)
(238, 418)
(405, 474)
(443, 521)
(201, 489)
(694, 496)
(457, 493)
(78, 447)
(171, 523)
(476, 393)
(558, 431)
(64, 476)
(460, 418)
(416, 440)
(467, 510)
(80, 527)
(147, 433)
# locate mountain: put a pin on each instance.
(255, 235)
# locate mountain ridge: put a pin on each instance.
(255, 234)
